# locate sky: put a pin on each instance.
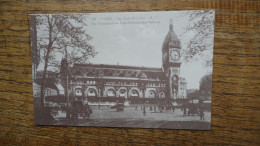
(135, 44)
(135, 39)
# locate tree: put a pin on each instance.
(64, 68)
(206, 87)
(201, 30)
(34, 51)
(60, 35)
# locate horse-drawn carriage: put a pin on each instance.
(193, 109)
(78, 109)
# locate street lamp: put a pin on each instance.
(141, 86)
(100, 86)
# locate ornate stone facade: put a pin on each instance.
(118, 81)
(129, 82)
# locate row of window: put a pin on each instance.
(122, 73)
(155, 85)
(123, 84)
(46, 93)
(122, 93)
(49, 92)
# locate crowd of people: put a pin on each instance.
(155, 108)
(186, 108)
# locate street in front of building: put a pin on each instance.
(135, 117)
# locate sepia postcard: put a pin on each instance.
(130, 69)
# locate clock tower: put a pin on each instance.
(171, 62)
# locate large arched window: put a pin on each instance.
(111, 93)
(151, 94)
(175, 79)
(91, 93)
(122, 93)
(78, 92)
(161, 94)
(134, 93)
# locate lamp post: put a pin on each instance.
(100, 86)
(142, 87)
(82, 90)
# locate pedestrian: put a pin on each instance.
(201, 113)
(144, 112)
(184, 109)
(173, 108)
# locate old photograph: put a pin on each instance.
(127, 69)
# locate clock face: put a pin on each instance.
(175, 55)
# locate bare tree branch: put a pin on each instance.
(60, 33)
(202, 40)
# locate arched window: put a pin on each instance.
(161, 94)
(151, 94)
(122, 93)
(111, 93)
(175, 79)
(134, 93)
(78, 92)
(91, 93)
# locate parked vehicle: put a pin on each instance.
(119, 106)
(206, 105)
(193, 109)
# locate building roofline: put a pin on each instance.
(119, 67)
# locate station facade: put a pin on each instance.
(92, 81)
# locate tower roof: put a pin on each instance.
(171, 38)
